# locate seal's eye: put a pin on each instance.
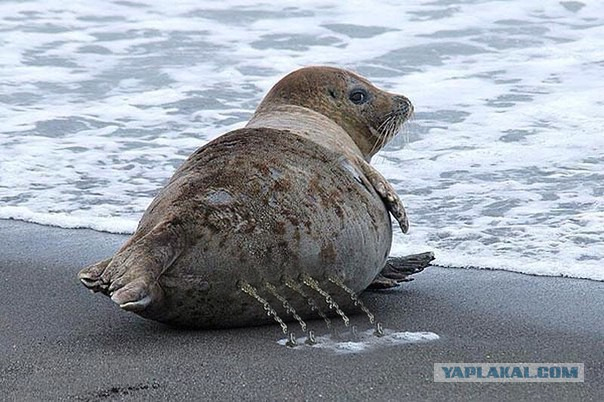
(358, 96)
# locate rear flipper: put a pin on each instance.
(131, 277)
(399, 269)
(91, 275)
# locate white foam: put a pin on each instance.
(70, 221)
(365, 342)
(100, 102)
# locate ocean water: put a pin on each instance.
(502, 166)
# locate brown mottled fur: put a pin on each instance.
(291, 193)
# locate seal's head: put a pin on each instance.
(371, 116)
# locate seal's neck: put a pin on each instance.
(308, 124)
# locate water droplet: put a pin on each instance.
(311, 340)
(379, 331)
(311, 302)
(250, 290)
(313, 284)
(353, 297)
(290, 310)
(291, 341)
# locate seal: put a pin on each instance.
(283, 209)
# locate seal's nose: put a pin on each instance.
(404, 105)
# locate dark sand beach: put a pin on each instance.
(57, 341)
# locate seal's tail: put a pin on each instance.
(131, 277)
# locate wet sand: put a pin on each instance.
(58, 341)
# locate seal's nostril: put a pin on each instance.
(404, 104)
(402, 100)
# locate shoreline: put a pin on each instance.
(127, 234)
(60, 342)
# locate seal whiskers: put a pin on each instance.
(379, 134)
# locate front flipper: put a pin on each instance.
(393, 204)
(399, 269)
